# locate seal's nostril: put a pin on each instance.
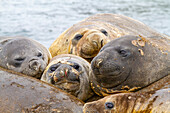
(34, 65)
(52, 80)
(55, 79)
(39, 54)
(104, 32)
(78, 37)
(62, 73)
(20, 59)
(98, 62)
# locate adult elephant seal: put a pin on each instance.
(24, 94)
(70, 73)
(23, 55)
(87, 37)
(153, 99)
(130, 63)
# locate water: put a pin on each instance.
(45, 20)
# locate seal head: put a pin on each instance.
(23, 55)
(69, 73)
(128, 64)
(82, 40)
(88, 43)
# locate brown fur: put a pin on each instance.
(93, 39)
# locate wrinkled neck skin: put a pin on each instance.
(85, 92)
(147, 69)
(101, 91)
(154, 98)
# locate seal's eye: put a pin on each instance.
(78, 37)
(19, 59)
(123, 53)
(76, 66)
(109, 105)
(39, 54)
(104, 32)
(54, 67)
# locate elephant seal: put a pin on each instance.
(87, 37)
(130, 63)
(69, 73)
(153, 99)
(23, 55)
(24, 94)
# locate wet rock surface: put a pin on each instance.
(20, 93)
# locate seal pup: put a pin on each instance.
(69, 73)
(23, 55)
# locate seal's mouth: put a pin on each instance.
(69, 86)
(63, 82)
(90, 44)
(37, 67)
(88, 54)
(89, 50)
(34, 64)
(66, 76)
(113, 74)
(108, 76)
(105, 67)
(104, 89)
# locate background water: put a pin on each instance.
(45, 20)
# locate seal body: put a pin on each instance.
(87, 37)
(130, 63)
(152, 99)
(69, 73)
(21, 93)
(23, 55)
